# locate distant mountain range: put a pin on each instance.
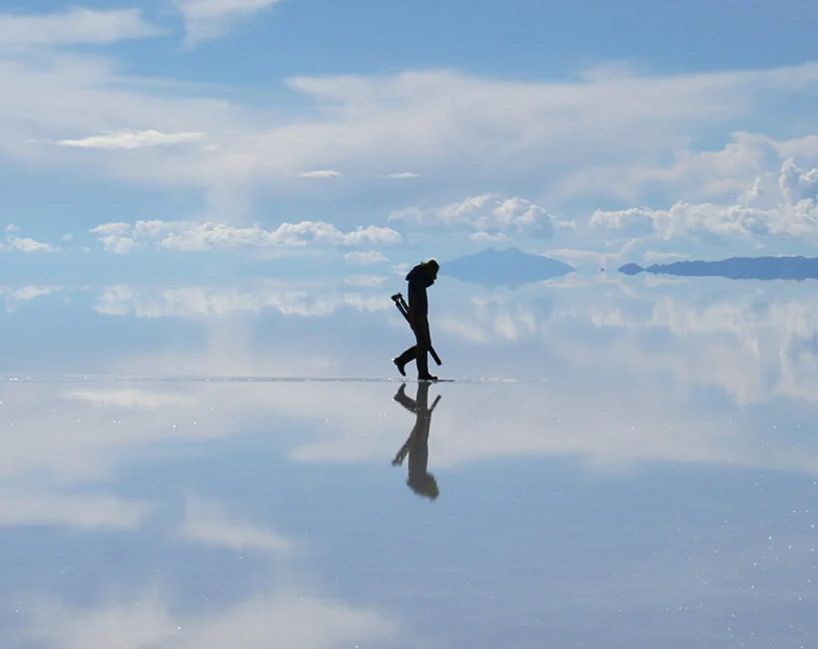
(736, 268)
(511, 267)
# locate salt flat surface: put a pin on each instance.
(182, 378)
(646, 478)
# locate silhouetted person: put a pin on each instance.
(420, 278)
(416, 446)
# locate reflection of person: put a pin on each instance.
(420, 278)
(416, 446)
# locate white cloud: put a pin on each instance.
(131, 140)
(74, 26)
(31, 292)
(209, 19)
(489, 214)
(207, 522)
(320, 173)
(633, 221)
(402, 175)
(191, 236)
(372, 235)
(698, 175)
(368, 258)
(782, 204)
(485, 237)
(115, 237)
(25, 244)
(364, 280)
(538, 133)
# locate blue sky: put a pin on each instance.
(349, 135)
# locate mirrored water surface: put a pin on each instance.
(619, 462)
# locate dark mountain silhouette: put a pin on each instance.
(631, 269)
(511, 267)
(737, 268)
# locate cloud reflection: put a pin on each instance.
(149, 621)
(77, 511)
(198, 301)
(207, 521)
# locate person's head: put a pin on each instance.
(424, 485)
(430, 268)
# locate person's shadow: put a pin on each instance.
(416, 446)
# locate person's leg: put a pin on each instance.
(423, 352)
(423, 362)
(406, 357)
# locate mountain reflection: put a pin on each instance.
(766, 268)
(416, 445)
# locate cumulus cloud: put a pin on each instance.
(373, 235)
(210, 19)
(634, 220)
(31, 292)
(26, 244)
(115, 237)
(131, 140)
(780, 204)
(23, 244)
(368, 258)
(72, 27)
(489, 214)
(699, 175)
(191, 236)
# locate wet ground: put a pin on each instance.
(617, 464)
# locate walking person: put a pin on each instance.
(420, 278)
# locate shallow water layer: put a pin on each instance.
(617, 465)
